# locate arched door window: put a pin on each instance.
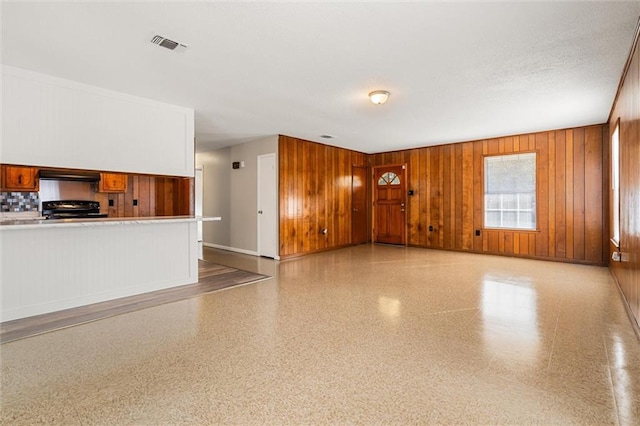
(389, 178)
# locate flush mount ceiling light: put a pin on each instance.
(379, 97)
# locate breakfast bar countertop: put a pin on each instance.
(50, 265)
(39, 223)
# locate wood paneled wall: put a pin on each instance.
(448, 190)
(174, 196)
(627, 111)
(315, 194)
(155, 195)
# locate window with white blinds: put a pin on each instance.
(510, 191)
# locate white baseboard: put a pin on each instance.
(237, 250)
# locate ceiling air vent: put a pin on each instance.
(169, 44)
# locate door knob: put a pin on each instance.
(355, 210)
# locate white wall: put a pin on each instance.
(236, 190)
(216, 195)
(50, 121)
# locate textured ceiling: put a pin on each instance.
(456, 71)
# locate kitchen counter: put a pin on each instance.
(52, 265)
(38, 222)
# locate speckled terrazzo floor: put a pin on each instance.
(364, 335)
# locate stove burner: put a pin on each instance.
(69, 209)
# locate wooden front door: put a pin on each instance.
(359, 223)
(389, 204)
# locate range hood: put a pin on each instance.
(77, 176)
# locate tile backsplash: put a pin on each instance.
(19, 201)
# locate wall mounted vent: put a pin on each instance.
(169, 44)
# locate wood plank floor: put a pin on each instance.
(211, 277)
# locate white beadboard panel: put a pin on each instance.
(49, 121)
(54, 268)
(10, 224)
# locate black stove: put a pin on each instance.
(72, 209)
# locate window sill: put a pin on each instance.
(524, 231)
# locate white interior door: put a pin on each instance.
(198, 205)
(267, 206)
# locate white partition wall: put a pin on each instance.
(49, 121)
(50, 267)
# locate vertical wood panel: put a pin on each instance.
(434, 196)
(144, 196)
(569, 192)
(315, 185)
(478, 190)
(112, 205)
(414, 201)
(284, 195)
(508, 145)
(333, 220)
(128, 198)
(542, 238)
(578, 194)
(321, 199)
(508, 243)
(135, 185)
(457, 205)
(593, 194)
(552, 195)
(560, 219)
(120, 205)
(466, 197)
(448, 220)
(524, 244)
(301, 196)
(626, 111)
(424, 194)
(493, 146)
(606, 185)
(493, 241)
(159, 196)
(532, 244)
(153, 208)
(441, 215)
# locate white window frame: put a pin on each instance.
(519, 210)
(615, 185)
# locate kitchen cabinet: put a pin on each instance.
(19, 178)
(112, 182)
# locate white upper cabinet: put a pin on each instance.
(48, 121)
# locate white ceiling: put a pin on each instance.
(456, 71)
